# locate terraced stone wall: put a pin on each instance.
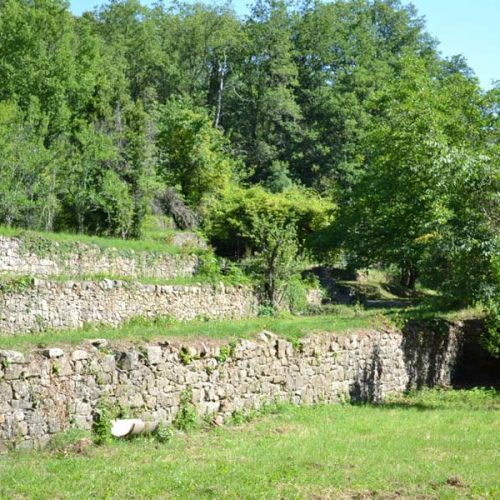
(44, 304)
(79, 259)
(51, 390)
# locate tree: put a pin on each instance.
(192, 154)
(346, 54)
(234, 221)
(414, 156)
(28, 171)
(277, 261)
(264, 114)
(37, 60)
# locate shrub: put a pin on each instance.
(186, 417)
(234, 222)
(491, 336)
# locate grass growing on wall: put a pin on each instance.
(140, 329)
(340, 319)
(6, 280)
(153, 245)
(433, 444)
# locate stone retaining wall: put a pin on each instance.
(84, 259)
(52, 390)
(45, 304)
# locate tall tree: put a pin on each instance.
(346, 52)
(265, 117)
(418, 158)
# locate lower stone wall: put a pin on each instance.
(71, 304)
(52, 390)
(81, 259)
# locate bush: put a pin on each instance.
(234, 221)
(491, 336)
(296, 295)
(186, 418)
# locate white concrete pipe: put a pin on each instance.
(131, 427)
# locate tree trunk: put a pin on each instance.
(81, 222)
(222, 72)
(409, 276)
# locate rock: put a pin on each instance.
(127, 360)
(40, 396)
(10, 357)
(99, 343)
(79, 355)
(266, 336)
(54, 352)
(153, 354)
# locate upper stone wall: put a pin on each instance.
(44, 304)
(81, 259)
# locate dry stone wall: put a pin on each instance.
(46, 304)
(51, 390)
(83, 259)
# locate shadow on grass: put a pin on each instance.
(400, 405)
(440, 398)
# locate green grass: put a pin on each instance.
(155, 245)
(436, 444)
(377, 284)
(10, 281)
(290, 327)
(340, 319)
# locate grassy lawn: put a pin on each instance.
(289, 327)
(435, 444)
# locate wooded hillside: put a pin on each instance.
(329, 128)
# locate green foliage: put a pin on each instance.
(15, 284)
(226, 352)
(56, 369)
(278, 179)
(186, 418)
(491, 336)
(162, 434)
(209, 267)
(99, 114)
(186, 356)
(192, 154)
(234, 222)
(267, 310)
(273, 229)
(262, 105)
(101, 426)
(428, 173)
(461, 257)
(296, 295)
(277, 262)
(27, 170)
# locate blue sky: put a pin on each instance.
(468, 27)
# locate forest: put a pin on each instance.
(332, 131)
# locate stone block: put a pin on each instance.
(79, 355)
(153, 354)
(54, 352)
(11, 357)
